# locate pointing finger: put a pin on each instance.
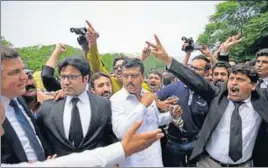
(150, 44)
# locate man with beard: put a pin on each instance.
(32, 97)
(154, 80)
(220, 72)
(237, 117)
(133, 103)
(101, 85)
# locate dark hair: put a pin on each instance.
(8, 53)
(263, 52)
(79, 62)
(168, 78)
(96, 76)
(247, 70)
(156, 73)
(222, 64)
(204, 58)
(121, 57)
(133, 63)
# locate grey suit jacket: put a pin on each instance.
(100, 129)
(216, 96)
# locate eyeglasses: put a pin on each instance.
(69, 77)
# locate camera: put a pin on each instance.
(82, 40)
(191, 45)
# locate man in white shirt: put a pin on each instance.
(81, 120)
(262, 67)
(237, 116)
(133, 103)
(23, 141)
(100, 157)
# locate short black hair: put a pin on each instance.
(247, 70)
(155, 72)
(204, 58)
(79, 62)
(168, 78)
(120, 57)
(262, 52)
(8, 53)
(133, 63)
(222, 64)
(96, 76)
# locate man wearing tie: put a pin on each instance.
(23, 141)
(262, 67)
(237, 116)
(80, 121)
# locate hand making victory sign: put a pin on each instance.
(159, 51)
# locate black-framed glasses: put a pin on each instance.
(69, 77)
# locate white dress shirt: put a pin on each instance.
(84, 111)
(99, 157)
(218, 144)
(11, 116)
(264, 84)
(126, 110)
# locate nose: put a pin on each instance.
(65, 81)
(106, 88)
(23, 76)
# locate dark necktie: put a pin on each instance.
(260, 81)
(235, 143)
(76, 132)
(29, 131)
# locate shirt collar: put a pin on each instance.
(82, 97)
(246, 101)
(265, 80)
(126, 94)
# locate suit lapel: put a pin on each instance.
(58, 111)
(94, 115)
(260, 103)
(13, 141)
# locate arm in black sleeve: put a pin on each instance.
(49, 81)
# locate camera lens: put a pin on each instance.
(72, 30)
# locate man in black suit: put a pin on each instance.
(23, 141)
(237, 117)
(81, 121)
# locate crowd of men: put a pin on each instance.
(212, 111)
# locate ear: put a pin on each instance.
(86, 78)
(92, 90)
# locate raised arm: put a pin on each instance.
(193, 80)
(47, 75)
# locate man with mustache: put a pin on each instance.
(154, 80)
(133, 103)
(234, 130)
(131, 143)
(220, 72)
(32, 96)
(101, 85)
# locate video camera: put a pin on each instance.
(191, 45)
(82, 40)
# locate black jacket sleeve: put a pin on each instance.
(49, 81)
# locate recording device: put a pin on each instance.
(191, 46)
(82, 40)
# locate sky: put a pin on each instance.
(124, 26)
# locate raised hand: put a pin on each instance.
(60, 48)
(133, 142)
(230, 42)
(205, 50)
(145, 53)
(159, 51)
(175, 111)
(91, 35)
(59, 95)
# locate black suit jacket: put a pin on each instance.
(100, 129)
(217, 98)
(11, 148)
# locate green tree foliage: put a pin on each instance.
(36, 56)
(248, 17)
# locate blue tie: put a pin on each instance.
(28, 130)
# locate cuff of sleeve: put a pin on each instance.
(169, 65)
(117, 154)
(224, 54)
